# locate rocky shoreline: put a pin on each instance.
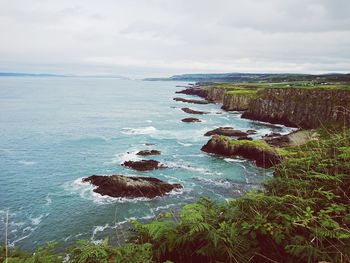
(295, 107)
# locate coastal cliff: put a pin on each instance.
(216, 94)
(237, 100)
(300, 107)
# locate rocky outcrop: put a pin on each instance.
(191, 120)
(258, 151)
(292, 139)
(301, 107)
(190, 111)
(216, 94)
(144, 165)
(226, 131)
(148, 152)
(236, 102)
(200, 92)
(132, 187)
(192, 101)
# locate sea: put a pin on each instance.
(54, 131)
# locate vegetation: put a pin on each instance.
(302, 215)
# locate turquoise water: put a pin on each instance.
(54, 131)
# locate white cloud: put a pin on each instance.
(162, 37)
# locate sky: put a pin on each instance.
(155, 38)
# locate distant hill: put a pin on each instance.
(252, 77)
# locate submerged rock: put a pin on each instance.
(144, 165)
(190, 111)
(226, 131)
(258, 151)
(191, 120)
(125, 186)
(192, 101)
(148, 152)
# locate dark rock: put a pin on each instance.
(264, 156)
(277, 139)
(194, 91)
(144, 165)
(192, 101)
(272, 134)
(124, 186)
(191, 120)
(148, 152)
(245, 138)
(251, 131)
(226, 131)
(190, 111)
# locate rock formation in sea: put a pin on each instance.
(131, 187)
(191, 111)
(258, 151)
(226, 131)
(144, 165)
(148, 152)
(191, 120)
(192, 101)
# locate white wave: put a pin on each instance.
(235, 160)
(191, 168)
(123, 157)
(143, 130)
(164, 207)
(184, 144)
(217, 182)
(94, 232)
(26, 162)
(149, 121)
(36, 220)
(48, 200)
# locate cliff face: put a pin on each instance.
(216, 94)
(235, 102)
(305, 108)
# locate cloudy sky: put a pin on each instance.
(139, 38)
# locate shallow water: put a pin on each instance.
(54, 131)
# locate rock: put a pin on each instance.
(148, 152)
(190, 111)
(191, 120)
(292, 139)
(200, 92)
(124, 186)
(276, 139)
(226, 131)
(245, 138)
(264, 155)
(192, 101)
(149, 144)
(144, 165)
(251, 131)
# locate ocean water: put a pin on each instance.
(55, 131)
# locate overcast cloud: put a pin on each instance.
(139, 38)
